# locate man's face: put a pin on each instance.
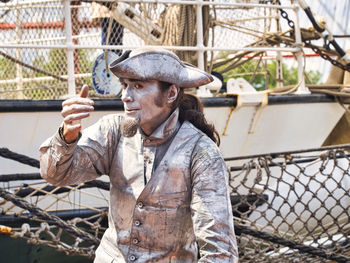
(145, 102)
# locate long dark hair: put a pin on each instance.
(191, 109)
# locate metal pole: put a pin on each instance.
(302, 89)
(182, 48)
(200, 40)
(279, 62)
(182, 2)
(70, 49)
(19, 75)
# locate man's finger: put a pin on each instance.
(69, 119)
(77, 100)
(76, 108)
(84, 91)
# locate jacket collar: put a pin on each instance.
(164, 131)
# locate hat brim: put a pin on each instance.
(161, 66)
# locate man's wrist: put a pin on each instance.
(67, 141)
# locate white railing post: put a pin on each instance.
(70, 49)
(19, 73)
(302, 89)
(200, 40)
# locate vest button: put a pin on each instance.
(137, 223)
(132, 258)
(135, 241)
(139, 204)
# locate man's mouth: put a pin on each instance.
(131, 110)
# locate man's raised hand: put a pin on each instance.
(73, 111)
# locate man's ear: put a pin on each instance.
(173, 92)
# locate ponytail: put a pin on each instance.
(191, 109)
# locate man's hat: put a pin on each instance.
(158, 64)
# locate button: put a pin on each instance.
(132, 258)
(137, 223)
(135, 241)
(139, 204)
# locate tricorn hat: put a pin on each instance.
(158, 64)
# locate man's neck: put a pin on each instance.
(165, 127)
(149, 128)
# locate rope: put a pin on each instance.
(19, 177)
(6, 153)
(179, 30)
(292, 244)
(31, 67)
(275, 154)
(47, 217)
(99, 184)
(19, 62)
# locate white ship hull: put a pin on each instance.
(247, 130)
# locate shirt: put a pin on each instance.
(169, 193)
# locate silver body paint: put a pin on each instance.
(139, 103)
(162, 65)
(183, 208)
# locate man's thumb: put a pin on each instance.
(84, 91)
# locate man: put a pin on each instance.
(168, 182)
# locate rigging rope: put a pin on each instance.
(240, 204)
(320, 252)
(179, 30)
(17, 61)
(6, 153)
(55, 220)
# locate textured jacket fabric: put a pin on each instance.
(168, 192)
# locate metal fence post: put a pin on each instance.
(200, 40)
(302, 89)
(70, 49)
(19, 73)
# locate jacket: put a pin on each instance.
(168, 192)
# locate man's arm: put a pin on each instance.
(69, 157)
(210, 206)
(88, 157)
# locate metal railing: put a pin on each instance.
(69, 36)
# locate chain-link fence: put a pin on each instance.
(46, 43)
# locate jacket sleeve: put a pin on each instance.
(83, 160)
(210, 206)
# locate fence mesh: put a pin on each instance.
(37, 69)
(288, 207)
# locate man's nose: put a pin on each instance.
(126, 95)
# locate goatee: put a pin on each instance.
(129, 127)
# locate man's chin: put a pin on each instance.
(129, 126)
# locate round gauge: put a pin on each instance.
(105, 82)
